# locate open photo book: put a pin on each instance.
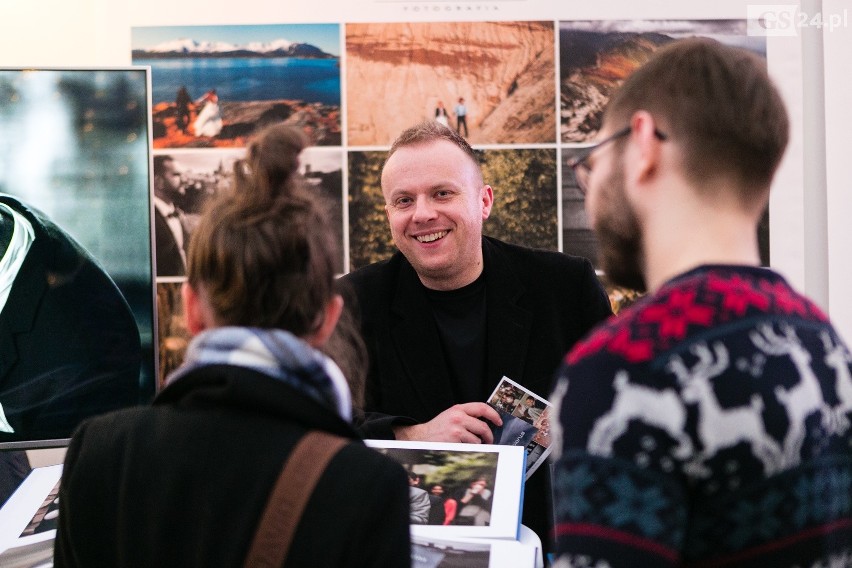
(465, 504)
(526, 421)
(471, 553)
(461, 490)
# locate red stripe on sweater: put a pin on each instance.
(621, 537)
(775, 545)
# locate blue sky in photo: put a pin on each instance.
(324, 36)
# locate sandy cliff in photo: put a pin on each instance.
(397, 73)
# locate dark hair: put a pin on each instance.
(430, 131)
(160, 164)
(264, 252)
(718, 103)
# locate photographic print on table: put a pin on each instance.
(492, 81)
(29, 515)
(471, 553)
(524, 210)
(526, 421)
(480, 487)
(31, 547)
(213, 86)
(46, 517)
(596, 56)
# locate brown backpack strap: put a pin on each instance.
(288, 498)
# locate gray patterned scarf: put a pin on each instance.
(276, 353)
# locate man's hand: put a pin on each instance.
(460, 423)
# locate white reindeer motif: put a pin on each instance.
(720, 428)
(837, 357)
(659, 408)
(800, 400)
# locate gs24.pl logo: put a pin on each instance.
(787, 19)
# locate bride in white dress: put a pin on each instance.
(209, 121)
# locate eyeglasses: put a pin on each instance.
(579, 164)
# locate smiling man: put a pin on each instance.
(452, 312)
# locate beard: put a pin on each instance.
(619, 235)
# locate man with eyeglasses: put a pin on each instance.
(709, 424)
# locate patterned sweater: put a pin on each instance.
(707, 425)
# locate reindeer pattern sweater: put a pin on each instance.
(707, 425)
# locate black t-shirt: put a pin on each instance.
(460, 317)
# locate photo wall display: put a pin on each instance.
(527, 95)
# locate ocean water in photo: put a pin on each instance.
(247, 79)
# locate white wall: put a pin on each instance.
(838, 114)
(64, 33)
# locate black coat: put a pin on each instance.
(184, 482)
(538, 304)
(69, 345)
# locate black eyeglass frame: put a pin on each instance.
(580, 161)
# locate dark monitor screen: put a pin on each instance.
(76, 279)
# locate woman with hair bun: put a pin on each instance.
(184, 481)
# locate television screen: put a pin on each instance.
(76, 277)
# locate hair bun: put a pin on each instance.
(271, 161)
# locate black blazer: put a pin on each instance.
(184, 482)
(538, 304)
(69, 345)
(168, 252)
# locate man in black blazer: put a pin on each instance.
(69, 344)
(169, 220)
(452, 312)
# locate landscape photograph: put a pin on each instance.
(213, 86)
(525, 209)
(501, 73)
(595, 57)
